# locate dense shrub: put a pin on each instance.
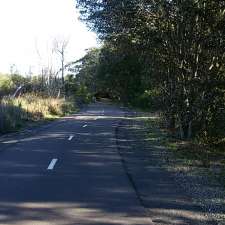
(150, 99)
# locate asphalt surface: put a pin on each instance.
(68, 172)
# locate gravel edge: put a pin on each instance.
(196, 182)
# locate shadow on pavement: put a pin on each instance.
(166, 202)
(88, 184)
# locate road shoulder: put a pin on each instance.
(171, 196)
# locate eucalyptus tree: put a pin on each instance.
(60, 46)
(176, 46)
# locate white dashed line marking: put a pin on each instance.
(10, 142)
(85, 125)
(70, 137)
(52, 164)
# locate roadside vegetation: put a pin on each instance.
(188, 156)
(16, 113)
(164, 56)
(25, 100)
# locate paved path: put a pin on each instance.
(67, 173)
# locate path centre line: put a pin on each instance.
(52, 164)
(70, 137)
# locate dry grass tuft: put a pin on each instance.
(15, 112)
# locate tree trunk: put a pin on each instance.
(189, 135)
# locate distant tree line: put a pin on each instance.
(169, 54)
(46, 84)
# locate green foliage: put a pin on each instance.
(119, 73)
(149, 100)
(83, 95)
(174, 47)
(6, 84)
(71, 85)
(9, 83)
(77, 90)
(81, 83)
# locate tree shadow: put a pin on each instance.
(87, 186)
(14, 117)
(159, 192)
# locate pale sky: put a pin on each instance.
(30, 26)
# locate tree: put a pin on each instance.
(175, 47)
(60, 48)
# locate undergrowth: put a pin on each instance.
(190, 153)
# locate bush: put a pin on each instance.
(6, 85)
(150, 99)
(214, 132)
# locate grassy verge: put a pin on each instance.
(18, 112)
(190, 154)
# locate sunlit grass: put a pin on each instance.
(15, 112)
